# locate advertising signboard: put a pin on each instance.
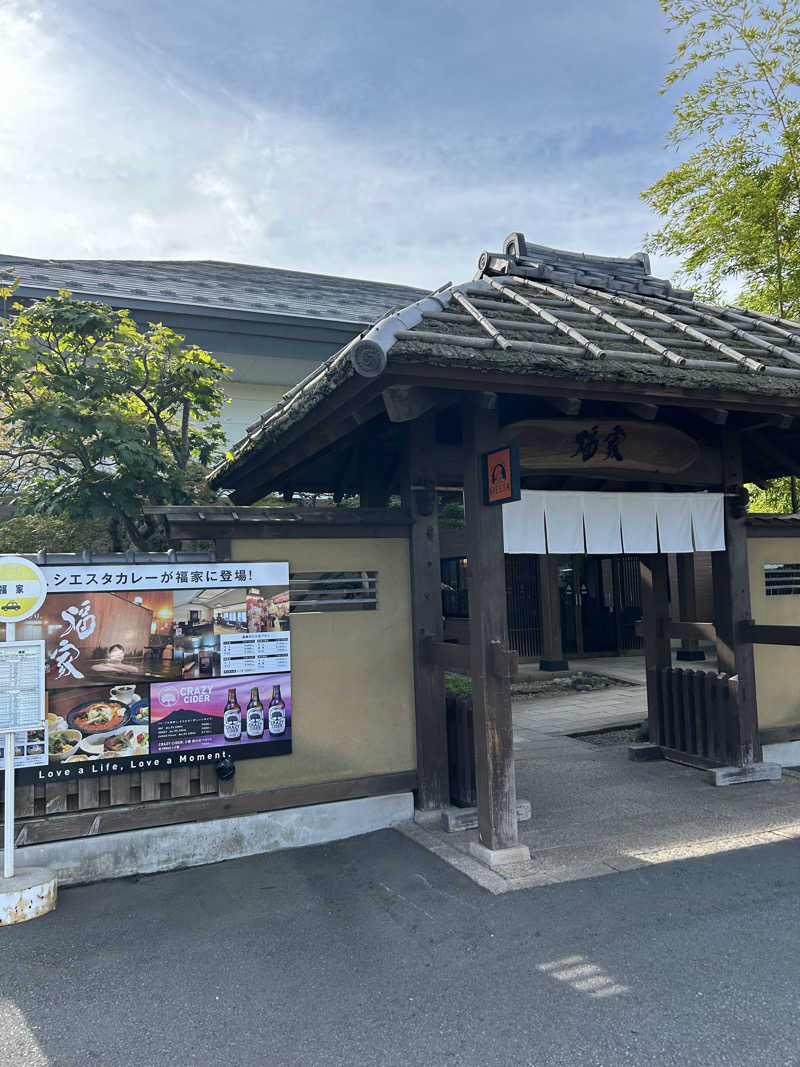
(157, 666)
(501, 475)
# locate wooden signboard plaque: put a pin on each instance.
(602, 444)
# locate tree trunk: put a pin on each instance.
(115, 534)
(778, 259)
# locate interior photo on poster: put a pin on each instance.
(231, 631)
(234, 712)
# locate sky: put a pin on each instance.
(367, 138)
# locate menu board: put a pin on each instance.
(149, 666)
(21, 684)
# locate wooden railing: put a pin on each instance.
(696, 714)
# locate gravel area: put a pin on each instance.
(575, 681)
(619, 735)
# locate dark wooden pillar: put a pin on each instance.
(736, 575)
(550, 616)
(687, 605)
(433, 784)
(657, 649)
(723, 617)
(491, 687)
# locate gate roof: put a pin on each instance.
(541, 320)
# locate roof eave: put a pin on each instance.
(121, 301)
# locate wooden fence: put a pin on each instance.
(106, 791)
(696, 714)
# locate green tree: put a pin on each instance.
(732, 209)
(101, 418)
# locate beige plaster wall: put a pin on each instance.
(352, 684)
(777, 667)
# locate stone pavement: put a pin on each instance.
(595, 812)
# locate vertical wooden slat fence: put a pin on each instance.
(106, 791)
(696, 714)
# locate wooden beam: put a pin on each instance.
(689, 631)
(447, 655)
(776, 735)
(749, 631)
(433, 788)
(265, 523)
(491, 694)
(466, 379)
(404, 403)
(643, 411)
(776, 529)
(226, 520)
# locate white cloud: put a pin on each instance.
(110, 152)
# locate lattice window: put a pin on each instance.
(333, 591)
(782, 579)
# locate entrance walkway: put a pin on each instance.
(595, 812)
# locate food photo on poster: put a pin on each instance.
(98, 722)
(144, 662)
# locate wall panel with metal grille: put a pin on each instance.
(333, 591)
(782, 579)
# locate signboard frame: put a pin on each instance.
(174, 688)
(501, 475)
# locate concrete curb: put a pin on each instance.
(165, 848)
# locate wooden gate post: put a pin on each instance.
(433, 779)
(488, 627)
(657, 648)
(738, 574)
(550, 616)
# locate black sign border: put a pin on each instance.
(516, 488)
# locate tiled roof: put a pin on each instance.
(212, 284)
(540, 311)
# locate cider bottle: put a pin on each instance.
(255, 715)
(276, 713)
(232, 718)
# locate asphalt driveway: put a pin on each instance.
(372, 951)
